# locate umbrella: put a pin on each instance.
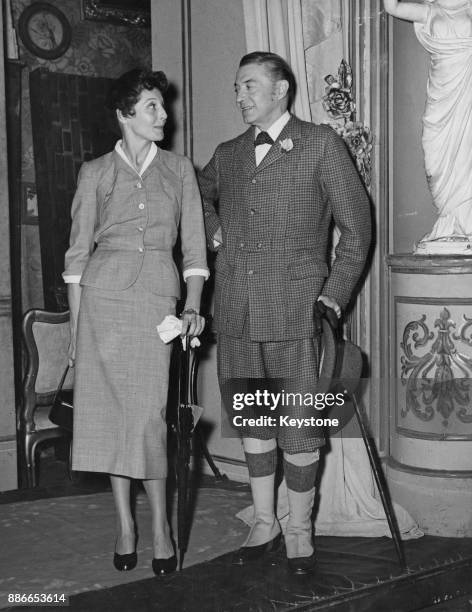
(186, 419)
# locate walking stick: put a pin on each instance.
(344, 376)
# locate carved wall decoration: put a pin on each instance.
(128, 12)
(436, 368)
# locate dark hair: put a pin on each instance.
(277, 68)
(125, 91)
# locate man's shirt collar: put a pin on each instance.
(276, 128)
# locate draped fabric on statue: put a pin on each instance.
(447, 121)
(348, 505)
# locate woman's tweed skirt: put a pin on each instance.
(121, 383)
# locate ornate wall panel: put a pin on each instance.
(431, 365)
(433, 346)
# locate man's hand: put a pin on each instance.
(330, 303)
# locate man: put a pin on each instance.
(278, 186)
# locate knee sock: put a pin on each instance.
(298, 477)
(261, 464)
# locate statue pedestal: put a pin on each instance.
(430, 390)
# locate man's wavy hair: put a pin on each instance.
(277, 68)
(125, 91)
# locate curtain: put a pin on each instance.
(276, 25)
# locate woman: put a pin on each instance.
(122, 281)
(444, 28)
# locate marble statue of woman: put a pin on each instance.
(444, 28)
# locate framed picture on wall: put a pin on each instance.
(29, 208)
(124, 12)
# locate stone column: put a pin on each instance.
(8, 461)
(430, 464)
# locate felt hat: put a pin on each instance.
(341, 361)
(340, 369)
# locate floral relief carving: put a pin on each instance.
(338, 102)
(438, 381)
(465, 329)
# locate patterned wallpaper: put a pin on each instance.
(97, 49)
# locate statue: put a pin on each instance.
(444, 28)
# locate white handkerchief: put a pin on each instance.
(197, 412)
(170, 328)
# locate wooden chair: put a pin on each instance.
(46, 340)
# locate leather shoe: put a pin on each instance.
(301, 565)
(125, 563)
(247, 554)
(164, 566)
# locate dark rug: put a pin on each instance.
(61, 540)
(352, 575)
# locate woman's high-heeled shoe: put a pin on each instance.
(125, 563)
(128, 561)
(164, 566)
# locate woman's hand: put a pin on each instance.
(192, 323)
(74, 292)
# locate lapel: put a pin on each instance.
(244, 155)
(291, 130)
(164, 178)
(122, 165)
(106, 178)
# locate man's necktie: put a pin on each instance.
(263, 138)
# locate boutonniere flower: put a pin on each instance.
(286, 144)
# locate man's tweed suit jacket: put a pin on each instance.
(133, 222)
(275, 220)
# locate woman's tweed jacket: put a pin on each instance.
(111, 210)
(276, 221)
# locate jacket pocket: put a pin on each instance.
(306, 267)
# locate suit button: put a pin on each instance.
(140, 229)
(241, 245)
(253, 181)
(141, 250)
(141, 206)
(251, 272)
(252, 211)
(138, 186)
(259, 245)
